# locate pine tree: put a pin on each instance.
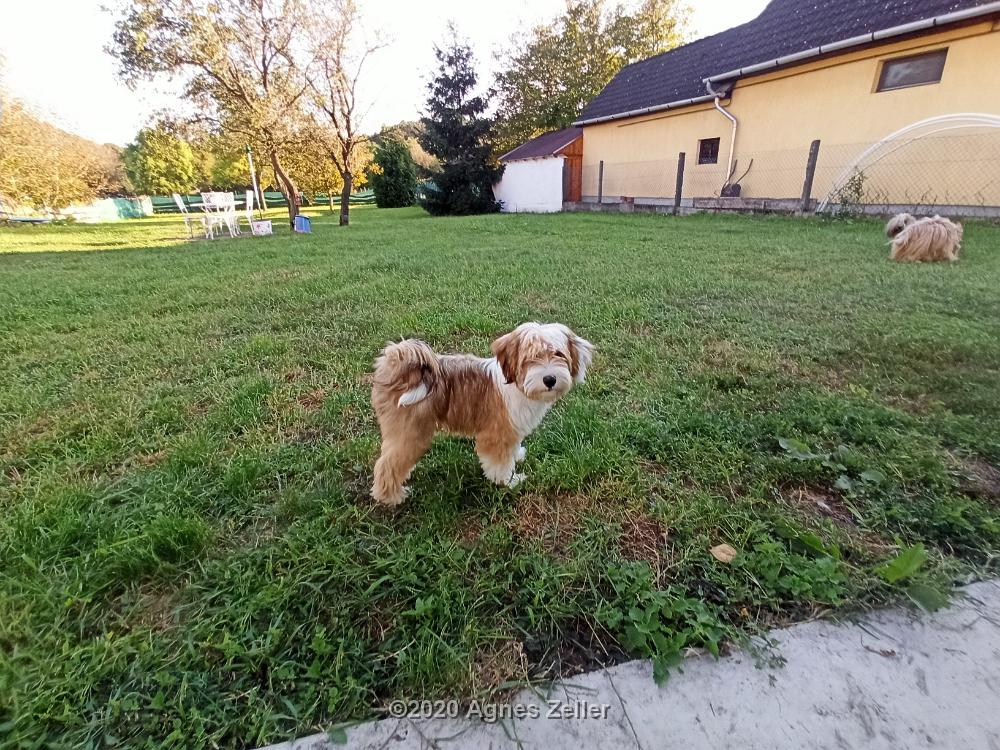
(458, 134)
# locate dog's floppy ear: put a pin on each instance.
(507, 350)
(581, 356)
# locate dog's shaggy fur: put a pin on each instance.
(932, 238)
(498, 401)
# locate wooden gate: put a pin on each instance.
(573, 171)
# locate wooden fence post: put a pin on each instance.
(807, 186)
(679, 185)
(600, 183)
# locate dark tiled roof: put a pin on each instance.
(784, 27)
(546, 144)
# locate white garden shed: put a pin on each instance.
(543, 173)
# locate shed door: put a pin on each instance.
(573, 178)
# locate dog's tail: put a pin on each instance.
(406, 373)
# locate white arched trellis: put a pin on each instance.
(904, 137)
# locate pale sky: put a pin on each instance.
(54, 55)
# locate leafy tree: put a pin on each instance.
(159, 162)
(339, 53)
(393, 175)
(316, 171)
(240, 61)
(224, 168)
(458, 134)
(46, 168)
(546, 81)
(219, 163)
(410, 132)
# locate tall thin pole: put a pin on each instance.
(253, 179)
(679, 184)
(807, 186)
(600, 183)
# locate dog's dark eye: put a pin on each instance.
(425, 368)
(563, 356)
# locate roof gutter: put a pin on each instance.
(647, 110)
(857, 41)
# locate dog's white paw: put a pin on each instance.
(520, 454)
(392, 500)
(515, 480)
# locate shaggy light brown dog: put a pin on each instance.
(932, 238)
(498, 401)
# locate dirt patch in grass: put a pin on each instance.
(197, 409)
(469, 530)
(154, 610)
(255, 533)
(381, 620)
(303, 435)
(978, 477)
(643, 538)
(729, 356)
(139, 461)
(496, 664)
(916, 405)
(721, 353)
(13, 475)
(312, 400)
(580, 647)
(151, 459)
(816, 501)
(295, 374)
(553, 521)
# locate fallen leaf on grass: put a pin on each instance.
(723, 553)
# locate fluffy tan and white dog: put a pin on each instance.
(932, 238)
(498, 401)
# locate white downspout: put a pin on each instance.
(733, 120)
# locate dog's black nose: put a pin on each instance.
(550, 381)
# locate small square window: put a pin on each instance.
(708, 151)
(914, 70)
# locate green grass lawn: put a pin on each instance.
(188, 556)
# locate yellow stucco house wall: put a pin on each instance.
(833, 99)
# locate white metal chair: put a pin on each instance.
(220, 211)
(257, 227)
(189, 220)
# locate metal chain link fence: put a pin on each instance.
(956, 172)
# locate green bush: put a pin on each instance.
(393, 175)
(160, 163)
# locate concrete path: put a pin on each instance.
(891, 680)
